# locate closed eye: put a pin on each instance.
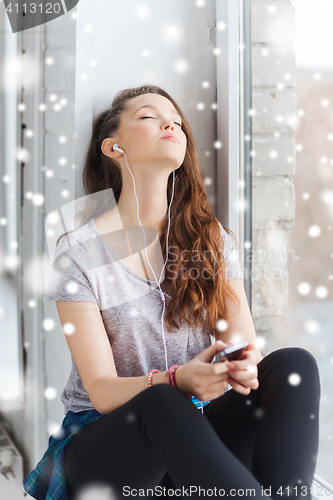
(143, 117)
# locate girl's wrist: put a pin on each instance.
(179, 379)
(159, 378)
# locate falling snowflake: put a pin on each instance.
(50, 393)
(221, 26)
(72, 287)
(321, 292)
(38, 199)
(259, 413)
(260, 342)
(314, 231)
(96, 492)
(304, 288)
(272, 9)
(87, 28)
(53, 218)
(69, 328)
(48, 324)
(29, 133)
(312, 326)
(143, 12)
(172, 35)
(294, 379)
(23, 155)
(181, 66)
(65, 193)
(222, 325)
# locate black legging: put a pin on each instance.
(268, 439)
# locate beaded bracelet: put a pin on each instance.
(172, 378)
(172, 375)
(150, 375)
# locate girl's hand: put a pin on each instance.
(203, 379)
(243, 373)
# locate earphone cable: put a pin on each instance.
(144, 235)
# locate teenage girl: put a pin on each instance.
(142, 346)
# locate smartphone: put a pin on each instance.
(231, 353)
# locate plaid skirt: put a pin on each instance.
(47, 480)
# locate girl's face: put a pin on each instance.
(147, 119)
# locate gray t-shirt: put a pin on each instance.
(85, 268)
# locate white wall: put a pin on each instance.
(179, 38)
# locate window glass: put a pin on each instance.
(310, 246)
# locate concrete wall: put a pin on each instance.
(274, 113)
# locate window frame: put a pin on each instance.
(234, 100)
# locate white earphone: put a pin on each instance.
(116, 147)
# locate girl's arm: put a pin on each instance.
(243, 372)
(240, 326)
(93, 357)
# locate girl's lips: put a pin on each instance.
(170, 137)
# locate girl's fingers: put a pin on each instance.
(238, 387)
(252, 383)
(241, 364)
(249, 369)
(215, 368)
(243, 376)
(218, 379)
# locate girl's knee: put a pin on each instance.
(293, 355)
(293, 360)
